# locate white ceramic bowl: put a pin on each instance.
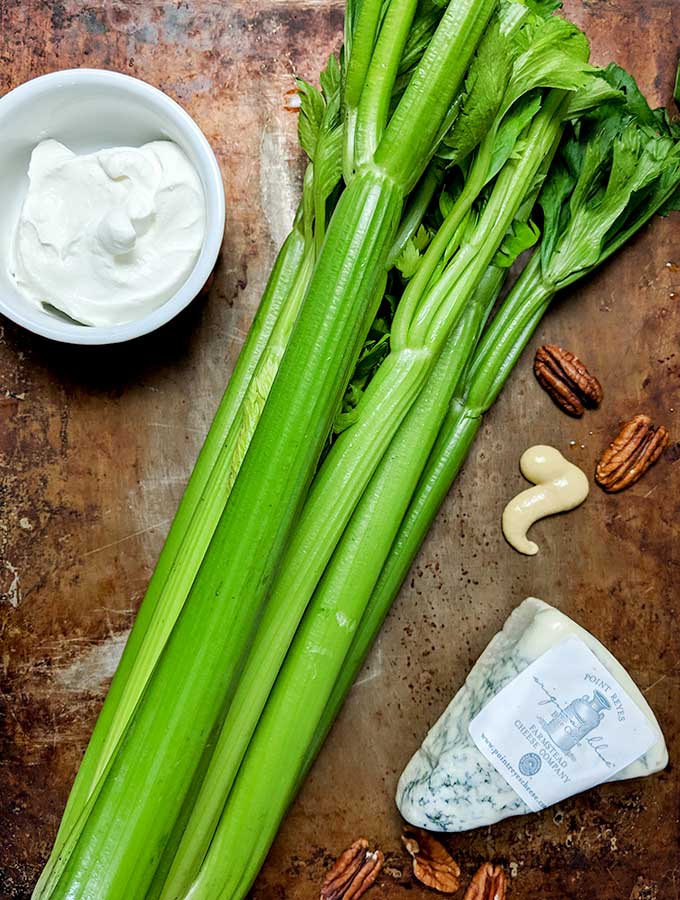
(88, 109)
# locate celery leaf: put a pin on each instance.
(612, 174)
(485, 87)
(505, 143)
(554, 203)
(522, 236)
(594, 95)
(312, 109)
(544, 8)
(330, 78)
(408, 260)
(556, 56)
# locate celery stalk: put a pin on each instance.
(521, 312)
(360, 38)
(198, 667)
(204, 488)
(374, 102)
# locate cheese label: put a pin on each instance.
(562, 726)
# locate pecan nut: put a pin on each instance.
(634, 450)
(488, 884)
(354, 872)
(564, 377)
(433, 866)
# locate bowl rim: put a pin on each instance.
(213, 185)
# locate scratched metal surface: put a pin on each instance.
(97, 445)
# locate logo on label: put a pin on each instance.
(569, 726)
(560, 726)
(530, 763)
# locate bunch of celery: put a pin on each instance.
(286, 553)
(460, 254)
(182, 667)
(615, 169)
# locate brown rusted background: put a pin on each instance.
(96, 445)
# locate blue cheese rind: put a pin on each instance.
(449, 785)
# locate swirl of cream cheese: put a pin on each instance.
(108, 237)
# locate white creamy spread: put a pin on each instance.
(450, 785)
(109, 236)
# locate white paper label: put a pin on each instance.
(563, 725)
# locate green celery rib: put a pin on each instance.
(359, 43)
(200, 490)
(416, 208)
(374, 104)
(516, 322)
(458, 33)
(262, 791)
(506, 338)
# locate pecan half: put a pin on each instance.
(353, 873)
(634, 450)
(432, 863)
(564, 377)
(488, 884)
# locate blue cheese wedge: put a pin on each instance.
(546, 712)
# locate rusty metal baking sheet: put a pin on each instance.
(96, 446)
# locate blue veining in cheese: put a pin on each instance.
(449, 785)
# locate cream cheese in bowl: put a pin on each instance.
(107, 237)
